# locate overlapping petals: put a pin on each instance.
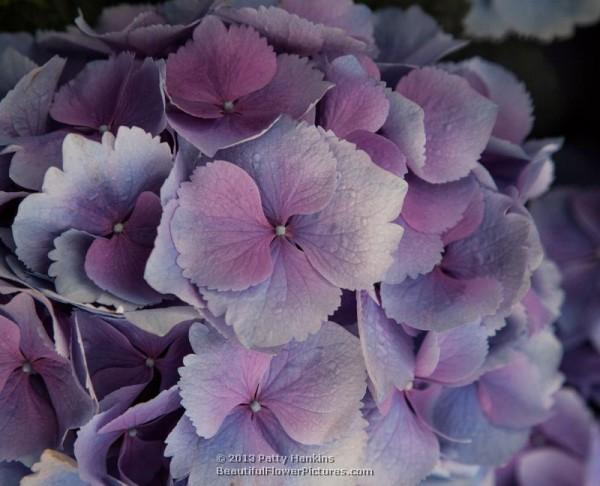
(304, 399)
(93, 227)
(293, 217)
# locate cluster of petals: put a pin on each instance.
(284, 228)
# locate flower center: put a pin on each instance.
(409, 386)
(103, 128)
(132, 432)
(280, 230)
(149, 362)
(118, 228)
(255, 406)
(27, 368)
(228, 106)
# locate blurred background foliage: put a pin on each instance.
(562, 76)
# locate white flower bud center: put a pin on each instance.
(149, 362)
(228, 106)
(118, 228)
(27, 368)
(255, 406)
(280, 230)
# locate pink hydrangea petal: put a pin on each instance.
(220, 219)
(211, 70)
(405, 126)
(10, 355)
(401, 448)
(314, 386)
(351, 240)
(435, 208)
(382, 151)
(458, 123)
(418, 253)
(437, 301)
(294, 90)
(357, 102)
(515, 107)
(460, 352)
(293, 167)
(292, 303)
(210, 390)
(162, 272)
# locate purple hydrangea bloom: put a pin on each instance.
(440, 123)
(39, 392)
(105, 95)
(291, 217)
(401, 364)
(93, 226)
(220, 98)
(481, 267)
(119, 354)
(356, 108)
(303, 400)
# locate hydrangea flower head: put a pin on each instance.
(221, 98)
(94, 225)
(303, 400)
(291, 217)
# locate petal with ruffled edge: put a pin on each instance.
(458, 123)
(209, 71)
(438, 301)
(350, 242)
(411, 37)
(220, 231)
(97, 188)
(218, 378)
(162, 272)
(293, 167)
(292, 303)
(515, 108)
(314, 386)
(357, 102)
(435, 208)
(417, 254)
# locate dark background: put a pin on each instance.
(562, 76)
